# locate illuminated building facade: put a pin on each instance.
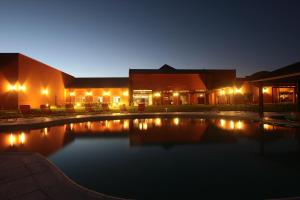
(25, 81)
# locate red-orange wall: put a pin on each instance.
(37, 76)
(160, 82)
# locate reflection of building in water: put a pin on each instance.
(45, 141)
(98, 126)
(231, 124)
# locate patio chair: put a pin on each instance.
(69, 108)
(141, 107)
(105, 107)
(45, 109)
(25, 109)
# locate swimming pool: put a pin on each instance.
(171, 158)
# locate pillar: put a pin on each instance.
(260, 101)
(298, 95)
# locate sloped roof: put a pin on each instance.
(115, 82)
(286, 73)
(167, 69)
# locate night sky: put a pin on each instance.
(94, 38)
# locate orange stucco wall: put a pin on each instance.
(160, 82)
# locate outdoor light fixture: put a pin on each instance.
(45, 91)
(72, 94)
(238, 90)
(230, 91)
(157, 94)
(88, 93)
(125, 93)
(175, 94)
(16, 87)
(222, 92)
(265, 90)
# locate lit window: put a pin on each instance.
(116, 100)
(125, 93)
(88, 93)
(157, 94)
(72, 94)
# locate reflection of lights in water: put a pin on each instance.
(140, 126)
(222, 122)
(89, 124)
(116, 121)
(126, 124)
(22, 138)
(268, 127)
(12, 139)
(231, 124)
(71, 126)
(157, 122)
(239, 125)
(106, 124)
(45, 131)
(135, 121)
(176, 121)
(145, 126)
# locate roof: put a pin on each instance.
(167, 69)
(287, 73)
(115, 82)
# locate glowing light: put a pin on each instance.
(238, 90)
(88, 93)
(45, 91)
(176, 121)
(78, 104)
(230, 91)
(158, 122)
(72, 94)
(140, 126)
(175, 94)
(231, 124)
(145, 126)
(106, 93)
(267, 127)
(126, 124)
(45, 131)
(201, 95)
(157, 94)
(12, 139)
(239, 125)
(22, 138)
(125, 93)
(265, 90)
(22, 88)
(71, 126)
(12, 87)
(222, 122)
(222, 92)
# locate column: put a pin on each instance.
(260, 101)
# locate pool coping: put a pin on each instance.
(27, 175)
(40, 122)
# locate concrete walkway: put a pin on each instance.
(30, 176)
(40, 122)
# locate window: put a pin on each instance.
(116, 100)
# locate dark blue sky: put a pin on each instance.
(106, 38)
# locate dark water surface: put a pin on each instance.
(176, 158)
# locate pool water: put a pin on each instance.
(171, 158)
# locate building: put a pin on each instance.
(25, 81)
(170, 86)
(96, 91)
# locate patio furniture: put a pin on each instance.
(105, 107)
(123, 108)
(141, 107)
(89, 107)
(25, 109)
(45, 109)
(69, 108)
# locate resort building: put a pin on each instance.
(97, 91)
(25, 81)
(170, 86)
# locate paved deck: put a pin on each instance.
(30, 176)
